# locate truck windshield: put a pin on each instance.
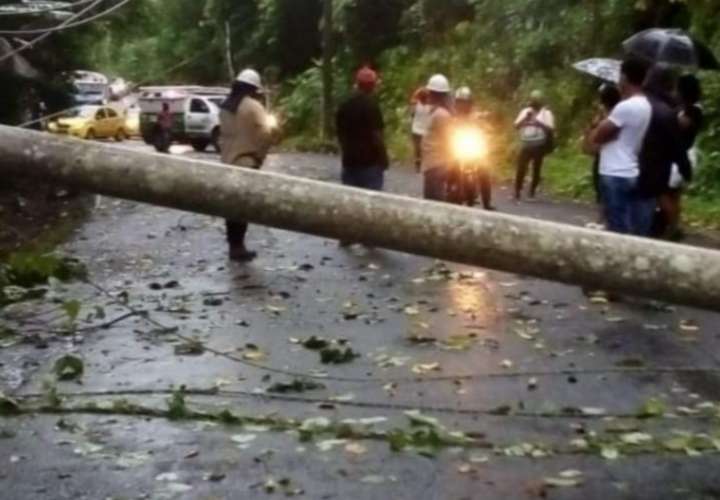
(85, 112)
(90, 88)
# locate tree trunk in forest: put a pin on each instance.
(546, 250)
(327, 70)
(597, 27)
(228, 51)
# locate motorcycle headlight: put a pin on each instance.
(468, 144)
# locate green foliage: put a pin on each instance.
(177, 409)
(69, 367)
(22, 273)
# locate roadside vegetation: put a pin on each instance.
(501, 48)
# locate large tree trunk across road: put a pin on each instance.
(556, 252)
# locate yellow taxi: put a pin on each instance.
(91, 122)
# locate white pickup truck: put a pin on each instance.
(195, 110)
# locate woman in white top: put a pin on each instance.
(536, 125)
(421, 112)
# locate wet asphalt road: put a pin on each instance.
(529, 368)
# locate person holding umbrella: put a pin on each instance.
(691, 119)
(661, 149)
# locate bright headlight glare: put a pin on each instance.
(272, 121)
(469, 144)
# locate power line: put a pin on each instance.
(43, 11)
(54, 29)
(42, 37)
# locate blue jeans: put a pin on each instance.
(372, 178)
(643, 215)
(625, 212)
(435, 187)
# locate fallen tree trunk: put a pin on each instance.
(675, 273)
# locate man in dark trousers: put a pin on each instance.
(360, 130)
(662, 148)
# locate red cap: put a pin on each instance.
(366, 78)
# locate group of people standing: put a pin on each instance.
(642, 143)
(643, 147)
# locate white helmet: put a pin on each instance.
(251, 77)
(463, 94)
(439, 83)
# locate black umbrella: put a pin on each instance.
(673, 47)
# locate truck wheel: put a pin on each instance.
(215, 141)
(162, 145)
(199, 145)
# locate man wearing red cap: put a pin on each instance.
(360, 130)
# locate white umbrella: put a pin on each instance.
(600, 67)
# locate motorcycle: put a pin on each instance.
(469, 150)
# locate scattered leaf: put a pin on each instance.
(337, 356)
(609, 453)
(69, 367)
(652, 408)
(296, 386)
(355, 448)
(423, 368)
(8, 406)
(191, 347)
(559, 482)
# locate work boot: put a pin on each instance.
(241, 254)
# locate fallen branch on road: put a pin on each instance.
(424, 435)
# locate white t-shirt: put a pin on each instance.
(620, 157)
(532, 133)
(421, 119)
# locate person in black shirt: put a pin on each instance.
(691, 118)
(661, 149)
(360, 130)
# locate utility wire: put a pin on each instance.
(6, 12)
(166, 72)
(55, 29)
(42, 37)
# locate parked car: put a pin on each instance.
(91, 122)
(132, 121)
(195, 110)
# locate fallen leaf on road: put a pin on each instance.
(373, 479)
(571, 474)
(609, 453)
(356, 448)
(69, 367)
(636, 438)
(243, 438)
(593, 412)
(459, 342)
(479, 459)
(423, 368)
(8, 406)
(559, 482)
(254, 355)
(329, 444)
(465, 468)
(167, 477)
(689, 326)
